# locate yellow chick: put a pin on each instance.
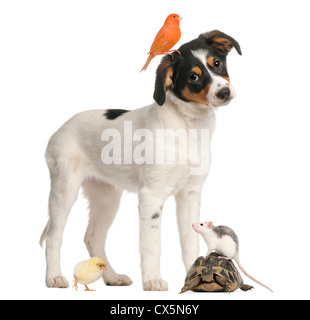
(88, 271)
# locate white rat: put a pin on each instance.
(224, 241)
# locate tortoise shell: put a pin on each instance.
(213, 274)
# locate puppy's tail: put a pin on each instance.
(43, 235)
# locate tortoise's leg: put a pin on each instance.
(191, 284)
(225, 283)
(246, 287)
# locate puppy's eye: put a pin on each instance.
(193, 78)
(217, 63)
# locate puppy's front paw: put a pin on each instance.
(57, 282)
(117, 280)
(155, 285)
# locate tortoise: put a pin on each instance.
(213, 274)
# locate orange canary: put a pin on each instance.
(166, 38)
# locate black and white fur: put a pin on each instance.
(188, 88)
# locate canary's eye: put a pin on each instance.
(193, 78)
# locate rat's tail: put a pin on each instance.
(242, 269)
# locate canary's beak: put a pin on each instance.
(180, 18)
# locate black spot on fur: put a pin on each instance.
(156, 215)
(112, 114)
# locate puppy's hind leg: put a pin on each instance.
(65, 184)
(104, 201)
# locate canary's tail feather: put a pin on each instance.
(43, 236)
(151, 56)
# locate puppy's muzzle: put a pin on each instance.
(224, 94)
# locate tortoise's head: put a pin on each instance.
(202, 227)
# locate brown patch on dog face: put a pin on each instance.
(200, 97)
(227, 79)
(210, 61)
(168, 81)
(197, 70)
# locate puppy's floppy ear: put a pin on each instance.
(221, 41)
(164, 79)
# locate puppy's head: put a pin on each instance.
(199, 74)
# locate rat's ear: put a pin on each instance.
(221, 41)
(210, 224)
(164, 78)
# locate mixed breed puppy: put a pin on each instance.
(189, 85)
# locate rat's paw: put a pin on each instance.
(117, 280)
(57, 282)
(155, 285)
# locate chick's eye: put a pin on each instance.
(193, 78)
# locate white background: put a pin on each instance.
(61, 57)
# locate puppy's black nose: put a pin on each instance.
(223, 94)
